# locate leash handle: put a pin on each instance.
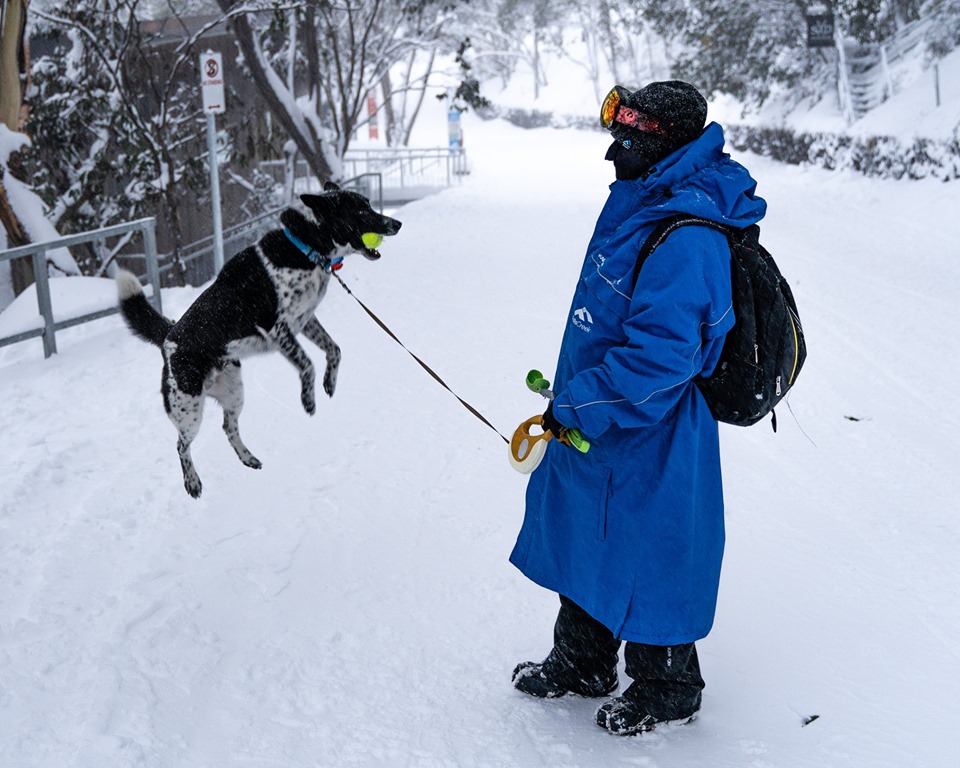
(572, 437)
(526, 450)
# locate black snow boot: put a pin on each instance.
(552, 678)
(624, 717)
(666, 689)
(583, 660)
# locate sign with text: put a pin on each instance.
(820, 30)
(211, 83)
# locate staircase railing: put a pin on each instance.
(865, 77)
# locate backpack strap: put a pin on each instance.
(664, 228)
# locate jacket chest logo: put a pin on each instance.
(583, 319)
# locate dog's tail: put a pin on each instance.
(140, 315)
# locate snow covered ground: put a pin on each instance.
(351, 604)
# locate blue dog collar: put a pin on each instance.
(327, 265)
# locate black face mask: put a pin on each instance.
(628, 163)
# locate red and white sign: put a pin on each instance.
(211, 82)
(372, 114)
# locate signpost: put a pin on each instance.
(211, 82)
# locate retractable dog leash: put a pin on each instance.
(526, 449)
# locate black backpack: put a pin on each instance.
(764, 351)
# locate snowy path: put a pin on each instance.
(351, 603)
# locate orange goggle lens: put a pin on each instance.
(609, 108)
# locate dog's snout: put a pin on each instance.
(392, 225)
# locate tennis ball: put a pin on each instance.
(371, 239)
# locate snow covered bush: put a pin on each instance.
(876, 156)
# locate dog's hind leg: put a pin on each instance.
(227, 389)
(287, 345)
(191, 480)
(319, 336)
(185, 410)
(186, 413)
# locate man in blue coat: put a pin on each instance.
(630, 534)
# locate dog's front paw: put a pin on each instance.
(329, 384)
(193, 485)
(309, 401)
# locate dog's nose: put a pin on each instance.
(393, 226)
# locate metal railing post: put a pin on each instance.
(153, 268)
(43, 301)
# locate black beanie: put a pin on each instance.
(680, 112)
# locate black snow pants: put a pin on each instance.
(666, 679)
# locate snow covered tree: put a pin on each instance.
(76, 130)
(870, 21)
(359, 43)
(622, 36)
(944, 34)
(404, 85)
(529, 25)
(257, 37)
(744, 48)
(116, 121)
(315, 63)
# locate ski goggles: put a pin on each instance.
(613, 110)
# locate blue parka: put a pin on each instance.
(632, 531)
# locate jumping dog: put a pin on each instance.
(262, 299)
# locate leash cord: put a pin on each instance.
(423, 365)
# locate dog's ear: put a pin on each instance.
(330, 187)
(292, 218)
(319, 204)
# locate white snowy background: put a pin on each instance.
(351, 604)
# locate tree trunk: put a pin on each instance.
(312, 54)
(172, 199)
(408, 128)
(13, 80)
(13, 62)
(610, 34)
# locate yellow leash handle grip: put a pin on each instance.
(526, 450)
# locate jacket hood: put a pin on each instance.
(699, 179)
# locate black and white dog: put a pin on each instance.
(260, 301)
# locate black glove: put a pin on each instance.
(550, 422)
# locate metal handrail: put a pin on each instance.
(204, 246)
(38, 251)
